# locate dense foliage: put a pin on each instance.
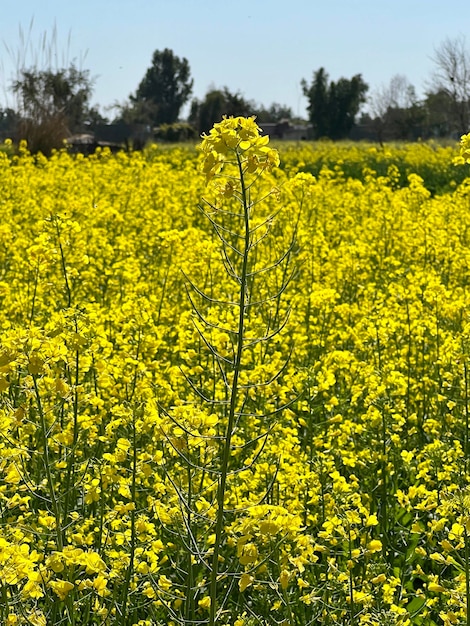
(164, 89)
(333, 105)
(350, 505)
(51, 105)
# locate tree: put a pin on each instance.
(452, 76)
(45, 93)
(164, 90)
(438, 107)
(216, 104)
(398, 94)
(51, 104)
(396, 111)
(274, 113)
(317, 94)
(203, 114)
(8, 122)
(333, 106)
(141, 112)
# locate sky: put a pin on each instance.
(260, 48)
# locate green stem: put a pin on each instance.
(47, 464)
(233, 403)
(33, 303)
(467, 573)
(189, 612)
(64, 266)
(351, 582)
(384, 486)
(466, 440)
(130, 569)
(4, 608)
(70, 476)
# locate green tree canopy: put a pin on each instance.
(333, 106)
(439, 108)
(8, 121)
(216, 104)
(274, 113)
(164, 89)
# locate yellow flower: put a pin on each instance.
(381, 578)
(13, 474)
(245, 581)
(32, 590)
(375, 545)
(100, 584)
(205, 602)
(236, 139)
(465, 147)
(164, 583)
(149, 592)
(61, 587)
(284, 579)
(55, 562)
(93, 562)
(248, 553)
(446, 545)
(456, 531)
(36, 618)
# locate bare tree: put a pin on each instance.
(398, 94)
(452, 76)
(393, 108)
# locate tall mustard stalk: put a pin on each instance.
(236, 155)
(246, 310)
(226, 446)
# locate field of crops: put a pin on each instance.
(234, 393)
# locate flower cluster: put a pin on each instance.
(237, 140)
(465, 148)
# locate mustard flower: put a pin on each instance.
(232, 138)
(205, 602)
(61, 587)
(465, 147)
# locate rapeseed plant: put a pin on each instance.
(235, 326)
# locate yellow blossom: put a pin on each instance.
(61, 587)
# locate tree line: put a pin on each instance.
(53, 103)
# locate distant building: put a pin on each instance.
(116, 137)
(286, 130)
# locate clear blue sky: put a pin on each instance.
(262, 48)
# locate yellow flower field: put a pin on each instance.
(136, 487)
